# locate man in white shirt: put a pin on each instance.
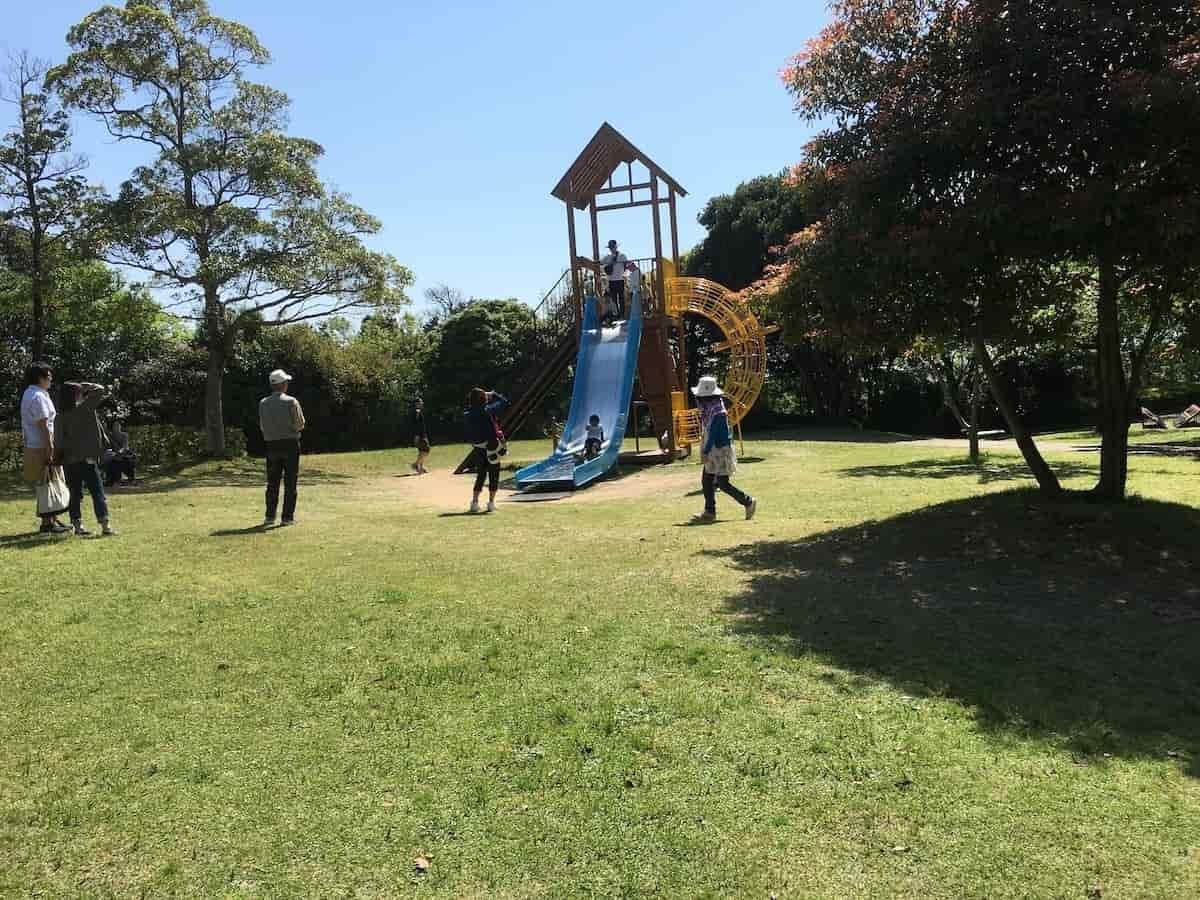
(37, 432)
(614, 266)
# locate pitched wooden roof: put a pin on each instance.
(591, 171)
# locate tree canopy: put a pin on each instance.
(230, 215)
(746, 228)
(986, 153)
(43, 193)
(486, 344)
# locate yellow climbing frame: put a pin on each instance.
(745, 339)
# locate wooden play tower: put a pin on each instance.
(603, 179)
(612, 174)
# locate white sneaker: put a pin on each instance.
(474, 506)
(751, 509)
(107, 530)
(268, 523)
(491, 506)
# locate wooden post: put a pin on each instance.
(674, 230)
(595, 232)
(659, 284)
(741, 440)
(578, 298)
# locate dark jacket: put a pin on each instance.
(78, 434)
(480, 421)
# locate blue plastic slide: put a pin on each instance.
(604, 372)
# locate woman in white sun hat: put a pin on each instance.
(716, 450)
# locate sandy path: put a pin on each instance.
(446, 492)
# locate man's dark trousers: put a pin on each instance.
(283, 463)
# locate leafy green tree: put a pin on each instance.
(230, 214)
(102, 327)
(487, 344)
(997, 145)
(745, 228)
(43, 192)
(357, 393)
(99, 328)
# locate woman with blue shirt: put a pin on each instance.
(716, 450)
(487, 442)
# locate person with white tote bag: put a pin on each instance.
(37, 433)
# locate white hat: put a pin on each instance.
(708, 388)
(279, 377)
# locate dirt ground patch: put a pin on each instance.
(446, 492)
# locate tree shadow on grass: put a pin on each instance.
(1069, 622)
(13, 488)
(988, 471)
(831, 434)
(244, 474)
(1175, 449)
(161, 480)
(28, 541)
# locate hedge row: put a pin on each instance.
(156, 445)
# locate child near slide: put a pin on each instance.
(594, 440)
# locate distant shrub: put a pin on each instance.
(167, 445)
(156, 445)
(10, 451)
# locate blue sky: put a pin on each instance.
(452, 121)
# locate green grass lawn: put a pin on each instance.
(908, 677)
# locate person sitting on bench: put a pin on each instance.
(118, 458)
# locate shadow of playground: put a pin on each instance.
(1070, 622)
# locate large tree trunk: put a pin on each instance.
(214, 412)
(37, 293)
(1114, 396)
(973, 427)
(1046, 479)
(950, 390)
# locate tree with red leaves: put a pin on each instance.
(988, 154)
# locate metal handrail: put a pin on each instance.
(550, 293)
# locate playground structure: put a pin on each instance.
(604, 376)
(567, 331)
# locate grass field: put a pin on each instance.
(908, 677)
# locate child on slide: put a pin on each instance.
(594, 440)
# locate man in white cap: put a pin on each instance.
(281, 420)
(614, 266)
